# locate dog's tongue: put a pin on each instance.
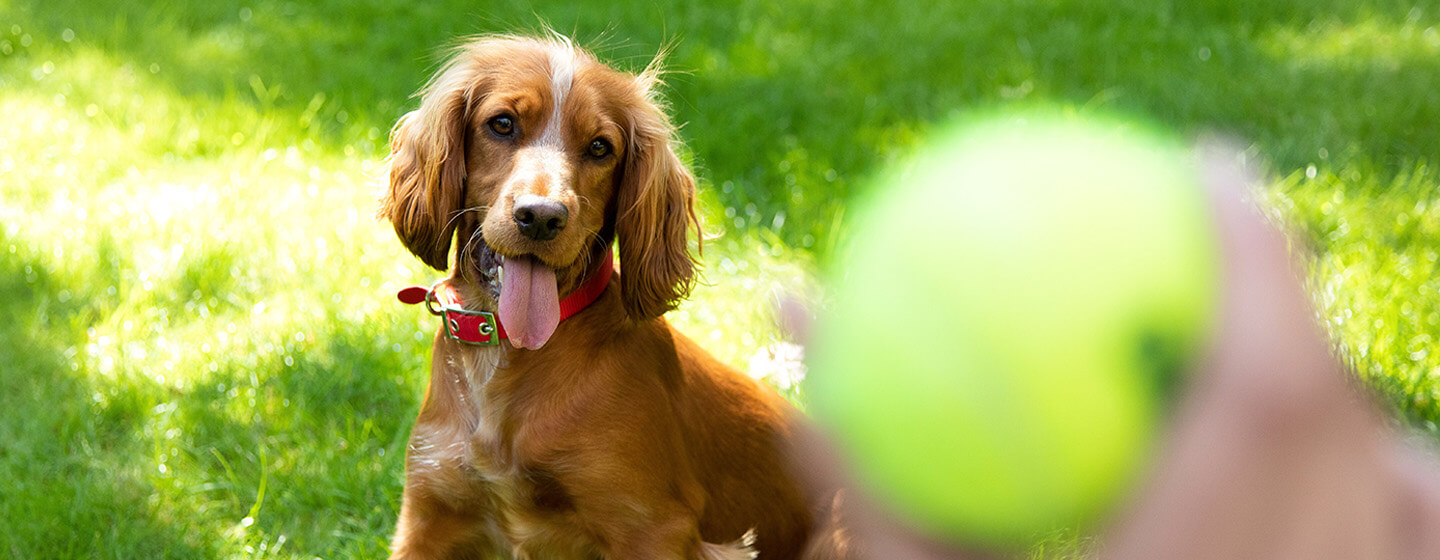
(529, 304)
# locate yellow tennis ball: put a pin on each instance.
(1008, 319)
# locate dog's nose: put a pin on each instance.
(540, 218)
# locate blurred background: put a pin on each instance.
(200, 351)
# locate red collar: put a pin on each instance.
(483, 327)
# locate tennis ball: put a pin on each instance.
(1008, 318)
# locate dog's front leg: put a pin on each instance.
(446, 512)
(443, 513)
(427, 530)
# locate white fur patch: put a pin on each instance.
(562, 76)
(741, 549)
(445, 448)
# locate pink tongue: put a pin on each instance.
(529, 305)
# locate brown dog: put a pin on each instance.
(605, 434)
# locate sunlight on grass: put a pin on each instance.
(732, 314)
(1370, 43)
(224, 284)
(1374, 275)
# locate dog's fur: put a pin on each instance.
(619, 438)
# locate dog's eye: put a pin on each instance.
(599, 148)
(503, 125)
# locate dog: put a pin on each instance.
(593, 429)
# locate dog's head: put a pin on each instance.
(538, 156)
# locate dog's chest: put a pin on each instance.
(532, 508)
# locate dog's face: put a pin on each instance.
(538, 156)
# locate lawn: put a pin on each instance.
(200, 353)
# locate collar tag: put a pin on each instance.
(471, 327)
(478, 328)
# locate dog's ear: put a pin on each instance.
(427, 164)
(654, 211)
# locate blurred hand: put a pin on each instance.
(1276, 452)
(1273, 451)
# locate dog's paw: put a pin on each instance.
(740, 549)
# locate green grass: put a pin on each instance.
(200, 355)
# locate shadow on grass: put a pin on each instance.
(299, 447)
(71, 456)
(324, 426)
(790, 106)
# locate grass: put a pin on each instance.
(199, 353)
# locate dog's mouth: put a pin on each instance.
(487, 264)
(527, 293)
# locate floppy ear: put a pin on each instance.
(655, 207)
(427, 164)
